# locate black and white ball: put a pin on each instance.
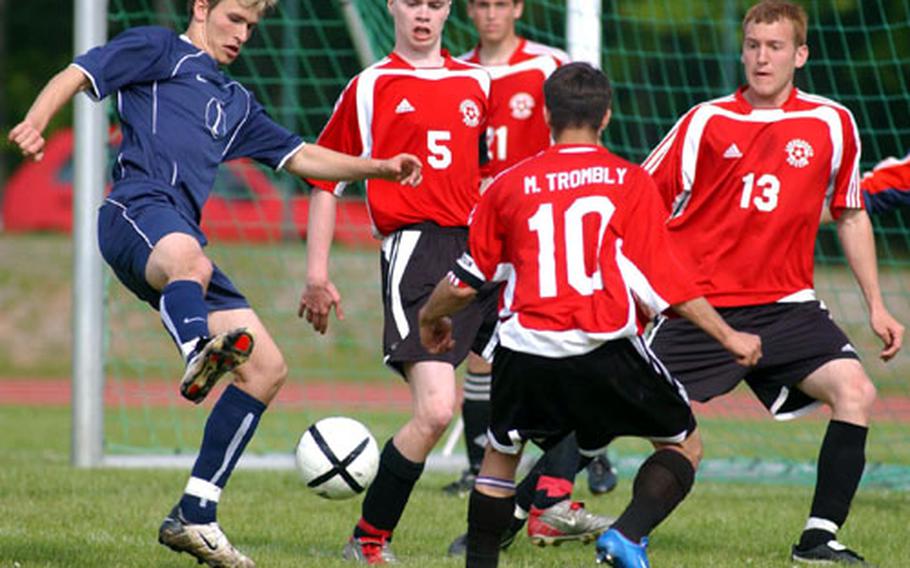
(337, 457)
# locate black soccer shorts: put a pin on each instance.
(414, 260)
(619, 389)
(797, 339)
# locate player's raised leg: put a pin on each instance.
(192, 526)
(178, 267)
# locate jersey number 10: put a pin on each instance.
(577, 275)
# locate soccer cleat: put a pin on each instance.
(601, 475)
(460, 545)
(831, 552)
(462, 486)
(211, 359)
(369, 550)
(205, 542)
(618, 551)
(566, 520)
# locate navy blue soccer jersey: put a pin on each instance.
(180, 117)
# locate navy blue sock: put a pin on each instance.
(229, 428)
(184, 313)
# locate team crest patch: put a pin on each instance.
(522, 105)
(798, 153)
(470, 113)
(215, 119)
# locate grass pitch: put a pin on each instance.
(55, 515)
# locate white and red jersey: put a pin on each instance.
(438, 114)
(516, 128)
(578, 235)
(746, 188)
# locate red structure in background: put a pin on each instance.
(244, 205)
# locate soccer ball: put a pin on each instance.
(337, 457)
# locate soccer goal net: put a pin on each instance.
(662, 56)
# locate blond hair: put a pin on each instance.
(260, 5)
(770, 11)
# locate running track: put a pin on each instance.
(381, 395)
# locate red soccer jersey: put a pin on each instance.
(746, 188)
(578, 234)
(516, 128)
(437, 114)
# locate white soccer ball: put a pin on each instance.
(337, 457)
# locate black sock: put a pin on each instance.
(558, 467)
(488, 519)
(475, 410)
(661, 484)
(387, 496)
(841, 461)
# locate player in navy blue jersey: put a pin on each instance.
(181, 116)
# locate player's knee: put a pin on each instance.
(435, 419)
(856, 391)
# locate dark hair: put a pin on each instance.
(577, 95)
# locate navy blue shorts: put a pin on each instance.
(127, 234)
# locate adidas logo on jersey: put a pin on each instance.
(733, 152)
(404, 106)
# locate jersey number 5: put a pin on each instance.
(440, 156)
(576, 273)
(768, 184)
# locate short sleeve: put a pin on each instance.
(138, 55)
(485, 239)
(341, 133)
(647, 244)
(263, 139)
(664, 164)
(847, 193)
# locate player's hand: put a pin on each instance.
(316, 304)
(29, 140)
(436, 335)
(406, 169)
(889, 330)
(745, 348)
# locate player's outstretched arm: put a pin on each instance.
(434, 317)
(27, 135)
(745, 347)
(317, 162)
(855, 233)
(320, 295)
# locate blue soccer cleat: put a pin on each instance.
(616, 550)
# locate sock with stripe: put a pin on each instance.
(228, 430)
(475, 410)
(184, 314)
(488, 518)
(557, 474)
(841, 461)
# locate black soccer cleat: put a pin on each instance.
(831, 552)
(601, 475)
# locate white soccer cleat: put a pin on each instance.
(205, 542)
(212, 358)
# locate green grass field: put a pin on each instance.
(57, 516)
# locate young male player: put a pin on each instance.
(746, 177)
(181, 117)
(420, 100)
(578, 236)
(516, 130)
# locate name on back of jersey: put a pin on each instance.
(572, 179)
